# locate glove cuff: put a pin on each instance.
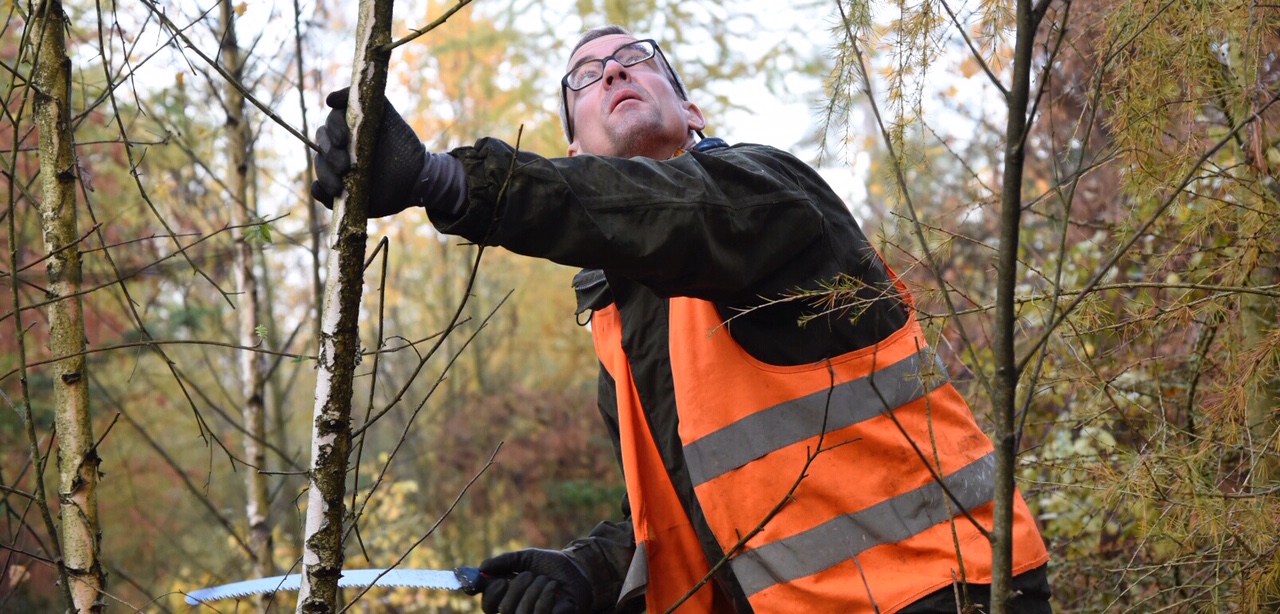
(441, 189)
(600, 591)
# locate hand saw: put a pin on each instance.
(467, 579)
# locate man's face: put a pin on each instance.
(631, 111)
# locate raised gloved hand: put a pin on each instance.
(398, 158)
(535, 581)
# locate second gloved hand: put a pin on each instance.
(535, 581)
(398, 158)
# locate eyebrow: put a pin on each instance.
(582, 61)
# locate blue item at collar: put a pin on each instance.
(709, 144)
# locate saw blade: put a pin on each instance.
(416, 578)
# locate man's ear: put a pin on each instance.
(693, 116)
(574, 149)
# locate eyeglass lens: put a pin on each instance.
(591, 71)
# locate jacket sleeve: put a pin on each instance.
(708, 225)
(605, 554)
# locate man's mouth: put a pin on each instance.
(622, 97)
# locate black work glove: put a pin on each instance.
(398, 158)
(535, 581)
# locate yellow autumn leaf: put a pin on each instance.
(240, 8)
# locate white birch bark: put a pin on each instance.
(322, 555)
(77, 458)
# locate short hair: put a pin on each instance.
(677, 83)
(595, 33)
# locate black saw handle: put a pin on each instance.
(472, 580)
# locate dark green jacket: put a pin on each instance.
(739, 226)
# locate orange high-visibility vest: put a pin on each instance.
(868, 527)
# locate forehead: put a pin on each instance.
(600, 47)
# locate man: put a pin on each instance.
(833, 463)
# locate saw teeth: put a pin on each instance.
(395, 578)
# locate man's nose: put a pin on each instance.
(613, 69)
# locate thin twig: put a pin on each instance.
(1139, 232)
(313, 214)
(433, 528)
(977, 55)
(203, 498)
(231, 80)
(152, 344)
(935, 473)
(120, 277)
(13, 491)
(900, 176)
(383, 248)
(810, 455)
(404, 434)
(388, 48)
(133, 165)
(453, 322)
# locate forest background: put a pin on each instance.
(1142, 333)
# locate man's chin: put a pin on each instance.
(636, 139)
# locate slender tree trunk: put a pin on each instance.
(252, 364)
(322, 554)
(1258, 321)
(1257, 312)
(77, 457)
(1005, 384)
(313, 214)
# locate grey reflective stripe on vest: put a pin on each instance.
(637, 579)
(786, 423)
(844, 537)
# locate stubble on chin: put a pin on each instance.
(637, 135)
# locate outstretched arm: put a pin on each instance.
(702, 224)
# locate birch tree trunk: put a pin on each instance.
(339, 353)
(252, 365)
(77, 459)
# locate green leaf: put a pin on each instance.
(261, 331)
(258, 233)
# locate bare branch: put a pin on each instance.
(427, 28)
(1139, 232)
(900, 176)
(974, 53)
(434, 525)
(225, 75)
(133, 164)
(191, 487)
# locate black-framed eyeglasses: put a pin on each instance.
(591, 71)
